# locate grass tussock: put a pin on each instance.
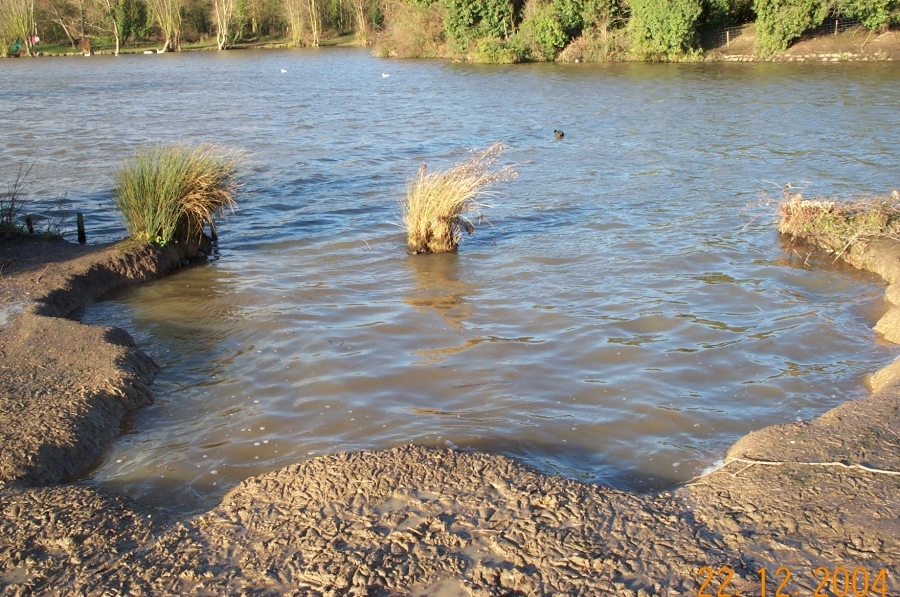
(167, 193)
(436, 203)
(11, 203)
(838, 225)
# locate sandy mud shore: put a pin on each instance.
(821, 494)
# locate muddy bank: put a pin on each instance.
(411, 520)
(65, 386)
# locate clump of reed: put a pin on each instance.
(11, 204)
(167, 193)
(434, 210)
(838, 225)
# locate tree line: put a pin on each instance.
(536, 30)
(173, 22)
(479, 30)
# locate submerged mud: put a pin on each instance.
(412, 520)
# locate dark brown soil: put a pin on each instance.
(411, 520)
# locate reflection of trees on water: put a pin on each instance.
(188, 314)
(440, 286)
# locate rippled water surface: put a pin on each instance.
(627, 316)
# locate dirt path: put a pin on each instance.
(410, 520)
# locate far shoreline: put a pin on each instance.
(846, 47)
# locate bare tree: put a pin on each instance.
(295, 12)
(111, 10)
(61, 9)
(16, 23)
(7, 36)
(82, 14)
(168, 16)
(361, 10)
(223, 11)
(314, 19)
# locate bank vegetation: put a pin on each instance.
(495, 31)
(835, 224)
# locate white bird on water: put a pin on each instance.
(283, 70)
(384, 75)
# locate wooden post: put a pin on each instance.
(836, 22)
(728, 37)
(29, 224)
(82, 237)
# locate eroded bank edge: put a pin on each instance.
(67, 385)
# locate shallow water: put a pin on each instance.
(628, 314)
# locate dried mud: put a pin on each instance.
(410, 520)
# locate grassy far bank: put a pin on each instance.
(64, 27)
(107, 46)
(855, 43)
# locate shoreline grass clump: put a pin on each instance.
(433, 212)
(167, 193)
(838, 225)
(11, 203)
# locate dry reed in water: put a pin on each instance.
(167, 193)
(436, 203)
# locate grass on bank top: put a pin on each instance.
(838, 225)
(167, 193)
(433, 212)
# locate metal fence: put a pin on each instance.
(719, 38)
(831, 26)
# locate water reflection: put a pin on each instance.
(187, 322)
(193, 315)
(440, 287)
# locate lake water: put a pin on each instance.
(629, 313)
